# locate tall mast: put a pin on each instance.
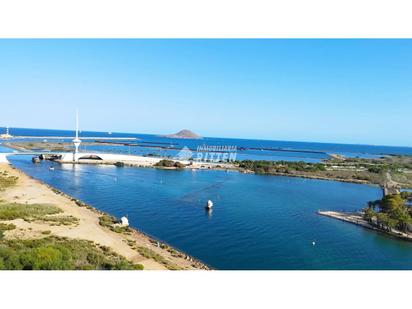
(77, 124)
(76, 140)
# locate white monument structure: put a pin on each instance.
(76, 140)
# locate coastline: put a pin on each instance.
(357, 219)
(136, 246)
(356, 181)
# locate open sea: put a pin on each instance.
(258, 222)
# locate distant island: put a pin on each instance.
(183, 134)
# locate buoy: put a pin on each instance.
(313, 243)
(209, 204)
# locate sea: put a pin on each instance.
(258, 222)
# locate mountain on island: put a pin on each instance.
(183, 134)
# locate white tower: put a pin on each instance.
(76, 141)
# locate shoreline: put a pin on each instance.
(341, 172)
(151, 238)
(127, 244)
(357, 219)
(356, 181)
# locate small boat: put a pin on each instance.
(209, 204)
(110, 133)
(124, 221)
(51, 168)
(35, 159)
(313, 243)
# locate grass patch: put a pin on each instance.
(150, 254)
(56, 253)
(7, 181)
(132, 244)
(61, 220)
(6, 227)
(111, 223)
(28, 212)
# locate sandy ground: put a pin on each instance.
(29, 190)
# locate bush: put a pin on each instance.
(55, 253)
(165, 163)
(375, 169)
(271, 167)
(11, 211)
(150, 254)
(6, 227)
(110, 222)
(169, 164)
(7, 181)
(60, 220)
(179, 165)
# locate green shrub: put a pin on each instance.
(179, 165)
(107, 221)
(7, 226)
(7, 181)
(169, 164)
(11, 211)
(56, 253)
(60, 220)
(165, 163)
(110, 222)
(150, 254)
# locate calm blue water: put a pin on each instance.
(258, 222)
(262, 149)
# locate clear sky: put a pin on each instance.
(345, 91)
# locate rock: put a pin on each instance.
(183, 134)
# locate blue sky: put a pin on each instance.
(345, 91)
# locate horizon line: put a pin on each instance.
(257, 139)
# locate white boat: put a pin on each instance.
(35, 159)
(124, 221)
(209, 204)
